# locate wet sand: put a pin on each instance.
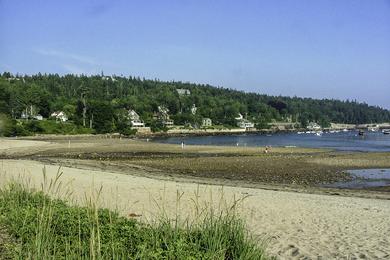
(295, 224)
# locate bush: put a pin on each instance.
(10, 127)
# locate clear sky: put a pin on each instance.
(322, 49)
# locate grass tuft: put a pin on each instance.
(46, 228)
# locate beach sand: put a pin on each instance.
(295, 225)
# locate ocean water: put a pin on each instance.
(342, 141)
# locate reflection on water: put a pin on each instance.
(365, 178)
(344, 141)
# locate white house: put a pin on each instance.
(244, 123)
(193, 109)
(60, 115)
(135, 119)
(206, 122)
(313, 126)
(183, 92)
(38, 117)
(31, 112)
(163, 116)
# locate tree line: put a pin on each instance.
(100, 102)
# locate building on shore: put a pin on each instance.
(244, 123)
(135, 119)
(206, 122)
(59, 116)
(31, 112)
(313, 126)
(163, 116)
(194, 109)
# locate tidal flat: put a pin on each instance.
(303, 169)
(297, 218)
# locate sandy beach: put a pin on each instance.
(295, 225)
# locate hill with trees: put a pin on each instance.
(100, 102)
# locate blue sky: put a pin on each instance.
(322, 49)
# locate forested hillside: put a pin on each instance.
(106, 97)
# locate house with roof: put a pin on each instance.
(183, 91)
(313, 126)
(135, 119)
(243, 122)
(163, 116)
(206, 122)
(59, 116)
(193, 109)
(31, 112)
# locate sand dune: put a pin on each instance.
(297, 225)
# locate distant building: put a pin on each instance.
(193, 109)
(24, 115)
(135, 119)
(109, 78)
(313, 126)
(206, 122)
(163, 116)
(38, 117)
(31, 112)
(168, 122)
(183, 92)
(60, 115)
(244, 123)
(137, 123)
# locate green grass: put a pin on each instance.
(54, 127)
(46, 228)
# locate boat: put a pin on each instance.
(386, 131)
(345, 130)
(318, 133)
(361, 132)
(373, 129)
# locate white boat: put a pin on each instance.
(318, 133)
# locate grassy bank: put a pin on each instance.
(36, 226)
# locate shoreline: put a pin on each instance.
(276, 128)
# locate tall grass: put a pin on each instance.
(45, 227)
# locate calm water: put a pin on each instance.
(343, 141)
(364, 179)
